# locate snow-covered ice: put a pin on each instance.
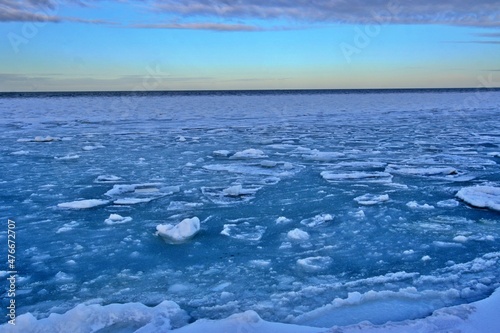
(481, 196)
(83, 204)
(323, 211)
(179, 233)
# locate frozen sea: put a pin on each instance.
(275, 211)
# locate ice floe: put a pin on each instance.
(282, 220)
(420, 171)
(221, 153)
(243, 230)
(317, 220)
(108, 179)
(298, 235)
(376, 176)
(230, 195)
(179, 233)
(371, 199)
(322, 156)
(68, 157)
(248, 154)
(416, 205)
(314, 264)
(481, 196)
(83, 204)
(117, 219)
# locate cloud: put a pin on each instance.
(200, 26)
(218, 15)
(483, 13)
(39, 11)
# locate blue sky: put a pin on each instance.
(72, 45)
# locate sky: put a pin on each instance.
(93, 45)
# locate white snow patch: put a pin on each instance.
(83, 204)
(181, 232)
(481, 196)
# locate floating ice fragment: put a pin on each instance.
(243, 231)
(481, 196)
(317, 220)
(68, 157)
(132, 201)
(415, 205)
(494, 154)
(221, 153)
(67, 227)
(425, 258)
(117, 219)
(408, 252)
(460, 239)
(89, 148)
(450, 203)
(322, 156)
(48, 138)
(297, 235)
(180, 138)
(313, 264)
(381, 177)
(108, 179)
(268, 164)
(20, 152)
(371, 199)
(83, 204)
(249, 153)
(282, 220)
(238, 190)
(421, 171)
(181, 232)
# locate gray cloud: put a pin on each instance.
(201, 14)
(484, 13)
(200, 26)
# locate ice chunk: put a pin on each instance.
(322, 156)
(243, 231)
(67, 227)
(132, 201)
(83, 204)
(108, 179)
(357, 175)
(268, 164)
(460, 239)
(481, 196)
(47, 138)
(313, 264)
(221, 153)
(494, 154)
(238, 190)
(416, 171)
(297, 235)
(426, 258)
(181, 232)
(94, 147)
(249, 153)
(282, 220)
(371, 199)
(67, 157)
(20, 152)
(117, 219)
(416, 205)
(317, 220)
(450, 203)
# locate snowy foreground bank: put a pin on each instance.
(480, 317)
